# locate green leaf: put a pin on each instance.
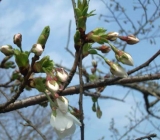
(92, 51)
(44, 36)
(40, 84)
(77, 37)
(21, 58)
(78, 12)
(86, 48)
(44, 65)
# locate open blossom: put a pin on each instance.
(37, 49)
(62, 74)
(64, 122)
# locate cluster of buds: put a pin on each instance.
(55, 80)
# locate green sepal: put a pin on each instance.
(44, 36)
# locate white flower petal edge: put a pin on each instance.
(64, 124)
(63, 106)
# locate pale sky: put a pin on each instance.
(30, 17)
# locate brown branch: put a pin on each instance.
(146, 63)
(147, 137)
(75, 90)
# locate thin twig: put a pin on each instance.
(24, 118)
(69, 34)
(31, 125)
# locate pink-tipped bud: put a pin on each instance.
(112, 36)
(17, 39)
(52, 86)
(104, 49)
(37, 49)
(62, 74)
(130, 39)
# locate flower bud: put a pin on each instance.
(122, 56)
(130, 39)
(62, 74)
(117, 70)
(125, 58)
(37, 49)
(17, 39)
(44, 36)
(52, 86)
(112, 36)
(104, 49)
(7, 50)
(94, 63)
(9, 64)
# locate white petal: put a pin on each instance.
(69, 115)
(52, 88)
(67, 132)
(61, 122)
(63, 106)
